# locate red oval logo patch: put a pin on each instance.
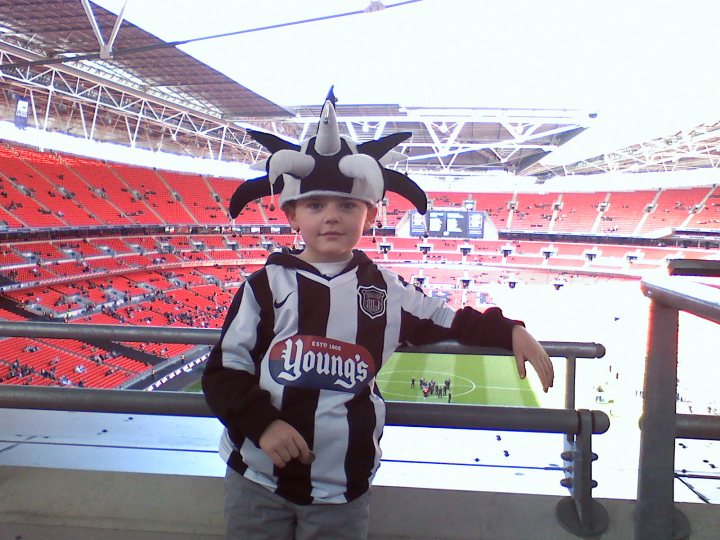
(320, 362)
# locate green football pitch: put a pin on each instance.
(474, 380)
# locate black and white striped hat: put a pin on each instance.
(328, 164)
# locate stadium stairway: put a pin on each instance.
(11, 306)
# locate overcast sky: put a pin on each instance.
(648, 68)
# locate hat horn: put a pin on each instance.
(289, 162)
(327, 140)
(402, 185)
(365, 168)
(271, 142)
(379, 147)
(251, 190)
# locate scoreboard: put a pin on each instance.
(448, 224)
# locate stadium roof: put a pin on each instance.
(695, 148)
(60, 29)
(89, 72)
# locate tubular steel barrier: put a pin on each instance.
(656, 517)
(578, 513)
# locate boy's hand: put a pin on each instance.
(282, 443)
(527, 349)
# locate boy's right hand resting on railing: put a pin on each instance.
(527, 349)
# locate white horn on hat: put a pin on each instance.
(365, 168)
(327, 140)
(289, 162)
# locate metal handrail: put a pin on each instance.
(570, 350)
(656, 517)
(210, 336)
(537, 420)
(684, 294)
(579, 513)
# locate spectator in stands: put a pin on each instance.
(292, 377)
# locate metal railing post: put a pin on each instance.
(579, 513)
(569, 440)
(570, 365)
(656, 516)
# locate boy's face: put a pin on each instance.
(330, 226)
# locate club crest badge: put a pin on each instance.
(373, 301)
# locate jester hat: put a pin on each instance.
(328, 164)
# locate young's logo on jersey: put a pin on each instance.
(320, 362)
(372, 301)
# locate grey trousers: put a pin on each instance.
(252, 512)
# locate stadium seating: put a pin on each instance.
(672, 208)
(625, 209)
(146, 185)
(578, 212)
(708, 215)
(533, 212)
(496, 205)
(196, 194)
(188, 280)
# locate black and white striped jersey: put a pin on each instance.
(305, 348)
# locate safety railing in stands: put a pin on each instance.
(656, 516)
(579, 513)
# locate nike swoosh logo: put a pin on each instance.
(278, 305)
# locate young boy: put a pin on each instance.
(293, 376)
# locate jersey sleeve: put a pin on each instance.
(489, 328)
(429, 320)
(230, 381)
(424, 319)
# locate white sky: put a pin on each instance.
(648, 68)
